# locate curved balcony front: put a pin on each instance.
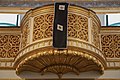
(83, 51)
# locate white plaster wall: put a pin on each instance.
(10, 74)
(115, 74)
(102, 19)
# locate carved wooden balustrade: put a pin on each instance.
(110, 42)
(84, 48)
(9, 46)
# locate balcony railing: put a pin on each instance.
(83, 49)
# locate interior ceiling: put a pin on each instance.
(83, 3)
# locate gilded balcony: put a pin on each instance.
(83, 51)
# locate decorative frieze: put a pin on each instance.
(9, 45)
(42, 26)
(111, 45)
(77, 26)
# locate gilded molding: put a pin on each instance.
(59, 62)
(48, 42)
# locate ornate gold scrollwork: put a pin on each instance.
(42, 26)
(9, 45)
(111, 45)
(77, 26)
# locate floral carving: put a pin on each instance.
(111, 45)
(42, 26)
(78, 26)
(9, 45)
